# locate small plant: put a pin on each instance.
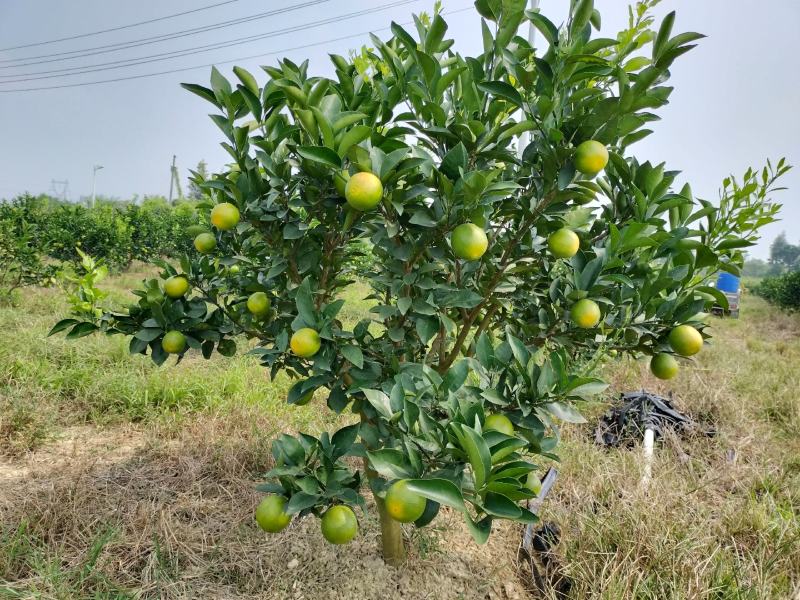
(83, 295)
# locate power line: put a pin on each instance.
(222, 62)
(117, 46)
(121, 27)
(206, 48)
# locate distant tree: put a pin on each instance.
(200, 172)
(783, 254)
(756, 267)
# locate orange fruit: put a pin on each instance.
(258, 304)
(339, 524)
(271, 514)
(402, 504)
(563, 243)
(205, 243)
(685, 340)
(664, 366)
(174, 342)
(585, 313)
(176, 287)
(363, 191)
(224, 216)
(305, 343)
(469, 241)
(591, 157)
(500, 423)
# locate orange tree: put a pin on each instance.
(500, 274)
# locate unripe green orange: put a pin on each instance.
(585, 313)
(224, 216)
(402, 504)
(363, 191)
(205, 243)
(176, 287)
(271, 514)
(563, 243)
(664, 366)
(339, 524)
(685, 340)
(500, 423)
(305, 342)
(258, 304)
(174, 342)
(469, 241)
(591, 157)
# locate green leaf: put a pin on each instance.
(80, 330)
(565, 412)
(500, 506)
(454, 160)
(247, 80)
(203, 92)
(390, 463)
(61, 326)
(301, 501)
(320, 154)
(355, 136)
(380, 402)
(503, 90)
(439, 490)
(354, 355)
(479, 531)
(480, 459)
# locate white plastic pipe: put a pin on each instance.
(649, 440)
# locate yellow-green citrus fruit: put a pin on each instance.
(224, 216)
(563, 243)
(234, 269)
(586, 313)
(591, 157)
(258, 304)
(664, 366)
(340, 181)
(685, 340)
(500, 423)
(402, 504)
(339, 524)
(533, 483)
(305, 399)
(469, 241)
(174, 342)
(363, 191)
(271, 514)
(177, 286)
(205, 243)
(305, 342)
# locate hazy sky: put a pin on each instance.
(735, 104)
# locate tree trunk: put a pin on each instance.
(392, 545)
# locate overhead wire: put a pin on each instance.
(222, 62)
(119, 28)
(164, 37)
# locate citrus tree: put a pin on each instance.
(500, 272)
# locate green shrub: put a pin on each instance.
(782, 290)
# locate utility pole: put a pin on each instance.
(174, 180)
(525, 136)
(95, 169)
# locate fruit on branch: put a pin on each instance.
(305, 342)
(469, 241)
(685, 340)
(271, 514)
(664, 366)
(363, 191)
(585, 313)
(224, 216)
(563, 243)
(174, 342)
(258, 304)
(402, 504)
(176, 287)
(498, 422)
(339, 524)
(205, 243)
(591, 157)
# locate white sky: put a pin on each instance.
(735, 101)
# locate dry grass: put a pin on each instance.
(121, 480)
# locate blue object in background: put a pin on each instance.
(728, 283)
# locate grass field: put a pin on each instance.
(119, 479)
